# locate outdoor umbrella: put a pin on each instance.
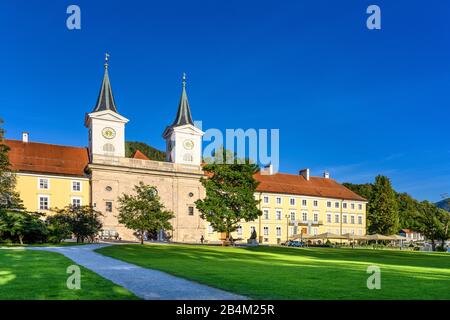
(329, 235)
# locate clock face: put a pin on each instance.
(108, 133)
(188, 144)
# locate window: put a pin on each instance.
(305, 216)
(108, 206)
(315, 231)
(108, 147)
(360, 206)
(316, 203)
(359, 232)
(210, 229)
(187, 157)
(336, 204)
(359, 219)
(191, 211)
(292, 201)
(43, 183)
(266, 199)
(43, 203)
(344, 205)
(304, 202)
(316, 217)
(292, 216)
(344, 231)
(266, 231)
(328, 204)
(76, 202)
(278, 200)
(336, 218)
(266, 214)
(278, 214)
(239, 231)
(344, 218)
(328, 218)
(278, 231)
(352, 219)
(352, 206)
(76, 186)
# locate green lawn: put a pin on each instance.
(26, 274)
(291, 273)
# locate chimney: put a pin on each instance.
(304, 173)
(326, 175)
(25, 137)
(267, 170)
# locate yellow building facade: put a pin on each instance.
(43, 192)
(288, 216)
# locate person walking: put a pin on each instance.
(202, 238)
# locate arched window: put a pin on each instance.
(187, 157)
(108, 148)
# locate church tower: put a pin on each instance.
(106, 126)
(183, 139)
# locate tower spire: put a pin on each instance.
(184, 111)
(105, 100)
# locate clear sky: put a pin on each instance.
(354, 101)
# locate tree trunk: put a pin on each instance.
(142, 237)
(433, 245)
(21, 239)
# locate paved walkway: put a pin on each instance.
(145, 283)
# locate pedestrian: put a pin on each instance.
(202, 238)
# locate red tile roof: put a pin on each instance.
(47, 158)
(298, 185)
(139, 155)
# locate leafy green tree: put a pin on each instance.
(409, 212)
(364, 190)
(9, 198)
(84, 221)
(432, 222)
(23, 226)
(383, 208)
(144, 212)
(59, 228)
(153, 154)
(230, 189)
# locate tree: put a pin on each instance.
(409, 212)
(434, 223)
(84, 221)
(144, 212)
(230, 188)
(9, 198)
(383, 208)
(23, 226)
(153, 154)
(59, 228)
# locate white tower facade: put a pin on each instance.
(183, 138)
(106, 126)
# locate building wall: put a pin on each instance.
(178, 187)
(59, 192)
(286, 227)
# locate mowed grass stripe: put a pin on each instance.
(41, 275)
(291, 273)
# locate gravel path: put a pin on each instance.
(145, 283)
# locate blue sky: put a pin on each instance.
(347, 99)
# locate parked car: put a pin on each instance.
(295, 243)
